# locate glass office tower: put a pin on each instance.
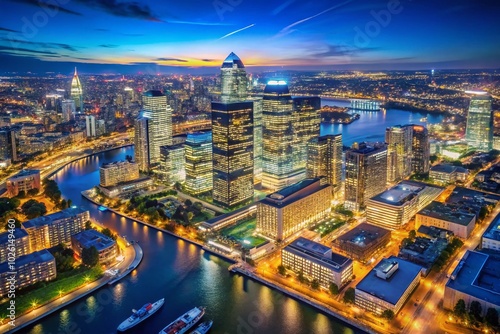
(479, 131)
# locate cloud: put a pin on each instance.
(278, 9)
(53, 6)
(41, 44)
(341, 51)
(8, 30)
(237, 31)
(129, 9)
(171, 59)
(108, 45)
(286, 30)
(12, 50)
(207, 60)
(199, 23)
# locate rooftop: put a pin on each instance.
(478, 275)
(153, 93)
(37, 257)
(318, 253)
(493, 231)
(45, 220)
(26, 172)
(294, 192)
(18, 234)
(116, 164)
(392, 289)
(89, 238)
(448, 169)
(231, 60)
(367, 148)
(401, 193)
(451, 213)
(364, 235)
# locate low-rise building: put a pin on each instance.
(388, 286)
(18, 242)
(317, 261)
(124, 189)
(446, 174)
(476, 278)
(395, 207)
(25, 180)
(51, 230)
(30, 269)
(423, 251)
(106, 246)
(113, 173)
(447, 216)
(363, 242)
(491, 237)
(286, 212)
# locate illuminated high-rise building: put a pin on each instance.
(365, 174)
(68, 110)
(141, 142)
(257, 141)
(155, 107)
(280, 143)
(90, 126)
(232, 149)
(233, 79)
(76, 92)
(324, 159)
(173, 163)
(479, 131)
(198, 155)
(308, 119)
(421, 150)
(399, 141)
(8, 144)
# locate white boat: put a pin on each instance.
(142, 314)
(203, 328)
(183, 323)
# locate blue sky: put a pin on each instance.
(124, 36)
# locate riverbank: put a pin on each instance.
(133, 254)
(412, 109)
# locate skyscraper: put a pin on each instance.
(8, 144)
(366, 174)
(141, 142)
(421, 150)
(280, 143)
(76, 93)
(232, 149)
(308, 119)
(399, 141)
(324, 159)
(257, 141)
(479, 131)
(233, 79)
(198, 150)
(90, 126)
(68, 110)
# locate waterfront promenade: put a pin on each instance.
(133, 256)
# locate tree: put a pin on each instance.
(51, 190)
(90, 256)
(32, 209)
(483, 213)
(88, 225)
(412, 234)
(282, 270)
(301, 277)
(460, 309)
(315, 284)
(21, 194)
(33, 192)
(334, 289)
(188, 202)
(349, 296)
(107, 232)
(491, 317)
(475, 310)
(388, 314)
(17, 223)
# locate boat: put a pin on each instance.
(142, 314)
(103, 208)
(183, 323)
(203, 328)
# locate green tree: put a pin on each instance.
(460, 309)
(282, 270)
(388, 314)
(349, 296)
(17, 223)
(51, 190)
(88, 225)
(188, 202)
(90, 256)
(107, 232)
(301, 277)
(491, 317)
(334, 289)
(483, 213)
(32, 209)
(33, 192)
(475, 310)
(21, 194)
(412, 234)
(315, 284)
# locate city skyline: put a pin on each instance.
(131, 37)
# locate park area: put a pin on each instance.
(243, 233)
(326, 227)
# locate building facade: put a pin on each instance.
(107, 247)
(307, 126)
(113, 173)
(232, 153)
(324, 159)
(8, 144)
(479, 129)
(363, 242)
(199, 170)
(288, 211)
(366, 174)
(399, 141)
(446, 174)
(76, 92)
(491, 237)
(20, 242)
(68, 110)
(172, 162)
(32, 268)
(234, 80)
(317, 261)
(447, 217)
(90, 126)
(25, 180)
(421, 150)
(51, 230)
(141, 142)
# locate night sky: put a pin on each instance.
(178, 36)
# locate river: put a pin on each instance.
(186, 275)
